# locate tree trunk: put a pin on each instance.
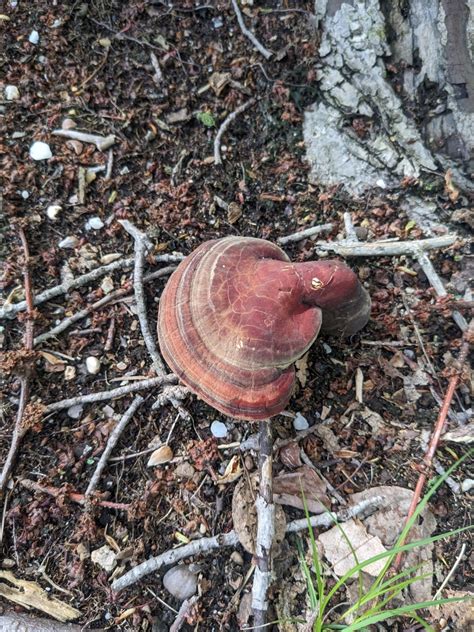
(396, 98)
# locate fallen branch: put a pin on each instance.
(111, 443)
(223, 128)
(261, 49)
(265, 527)
(80, 499)
(101, 142)
(21, 425)
(110, 165)
(17, 622)
(303, 234)
(438, 429)
(438, 286)
(142, 244)
(351, 234)
(9, 310)
(102, 396)
(385, 248)
(113, 296)
(206, 545)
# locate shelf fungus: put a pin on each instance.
(237, 313)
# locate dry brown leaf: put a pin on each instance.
(31, 595)
(232, 472)
(451, 190)
(52, 359)
(463, 434)
(341, 555)
(161, 455)
(288, 489)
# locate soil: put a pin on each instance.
(93, 65)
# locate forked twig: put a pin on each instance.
(206, 545)
(303, 234)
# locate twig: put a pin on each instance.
(142, 244)
(102, 396)
(158, 76)
(101, 142)
(21, 425)
(110, 165)
(451, 572)
(109, 341)
(9, 311)
(438, 430)
(351, 234)
(261, 49)
(265, 527)
(385, 248)
(183, 612)
(438, 286)
(80, 499)
(303, 234)
(113, 296)
(223, 128)
(171, 393)
(111, 443)
(206, 545)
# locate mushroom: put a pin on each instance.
(237, 313)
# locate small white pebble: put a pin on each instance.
(92, 365)
(94, 223)
(75, 412)
(107, 285)
(219, 429)
(68, 123)
(34, 37)
(300, 422)
(381, 183)
(40, 151)
(467, 484)
(327, 348)
(105, 558)
(69, 372)
(25, 195)
(69, 242)
(53, 210)
(11, 93)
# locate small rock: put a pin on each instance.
(300, 422)
(113, 256)
(107, 285)
(219, 429)
(467, 484)
(68, 124)
(69, 372)
(92, 365)
(34, 37)
(184, 470)
(53, 210)
(75, 412)
(11, 93)
(69, 242)
(180, 582)
(162, 455)
(237, 558)
(40, 151)
(121, 366)
(105, 558)
(25, 194)
(94, 223)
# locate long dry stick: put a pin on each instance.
(80, 499)
(111, 443)
(113, 296)
(9, 310)
(438, 429)
(21, 427)
(102, 396)
(101, 142)
(224, 126)
(142, 244)
(261, 49)
(385, 248)
(265, 527)
(206, 545)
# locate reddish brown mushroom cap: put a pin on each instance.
(236, 314)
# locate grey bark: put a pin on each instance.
(419, 119)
